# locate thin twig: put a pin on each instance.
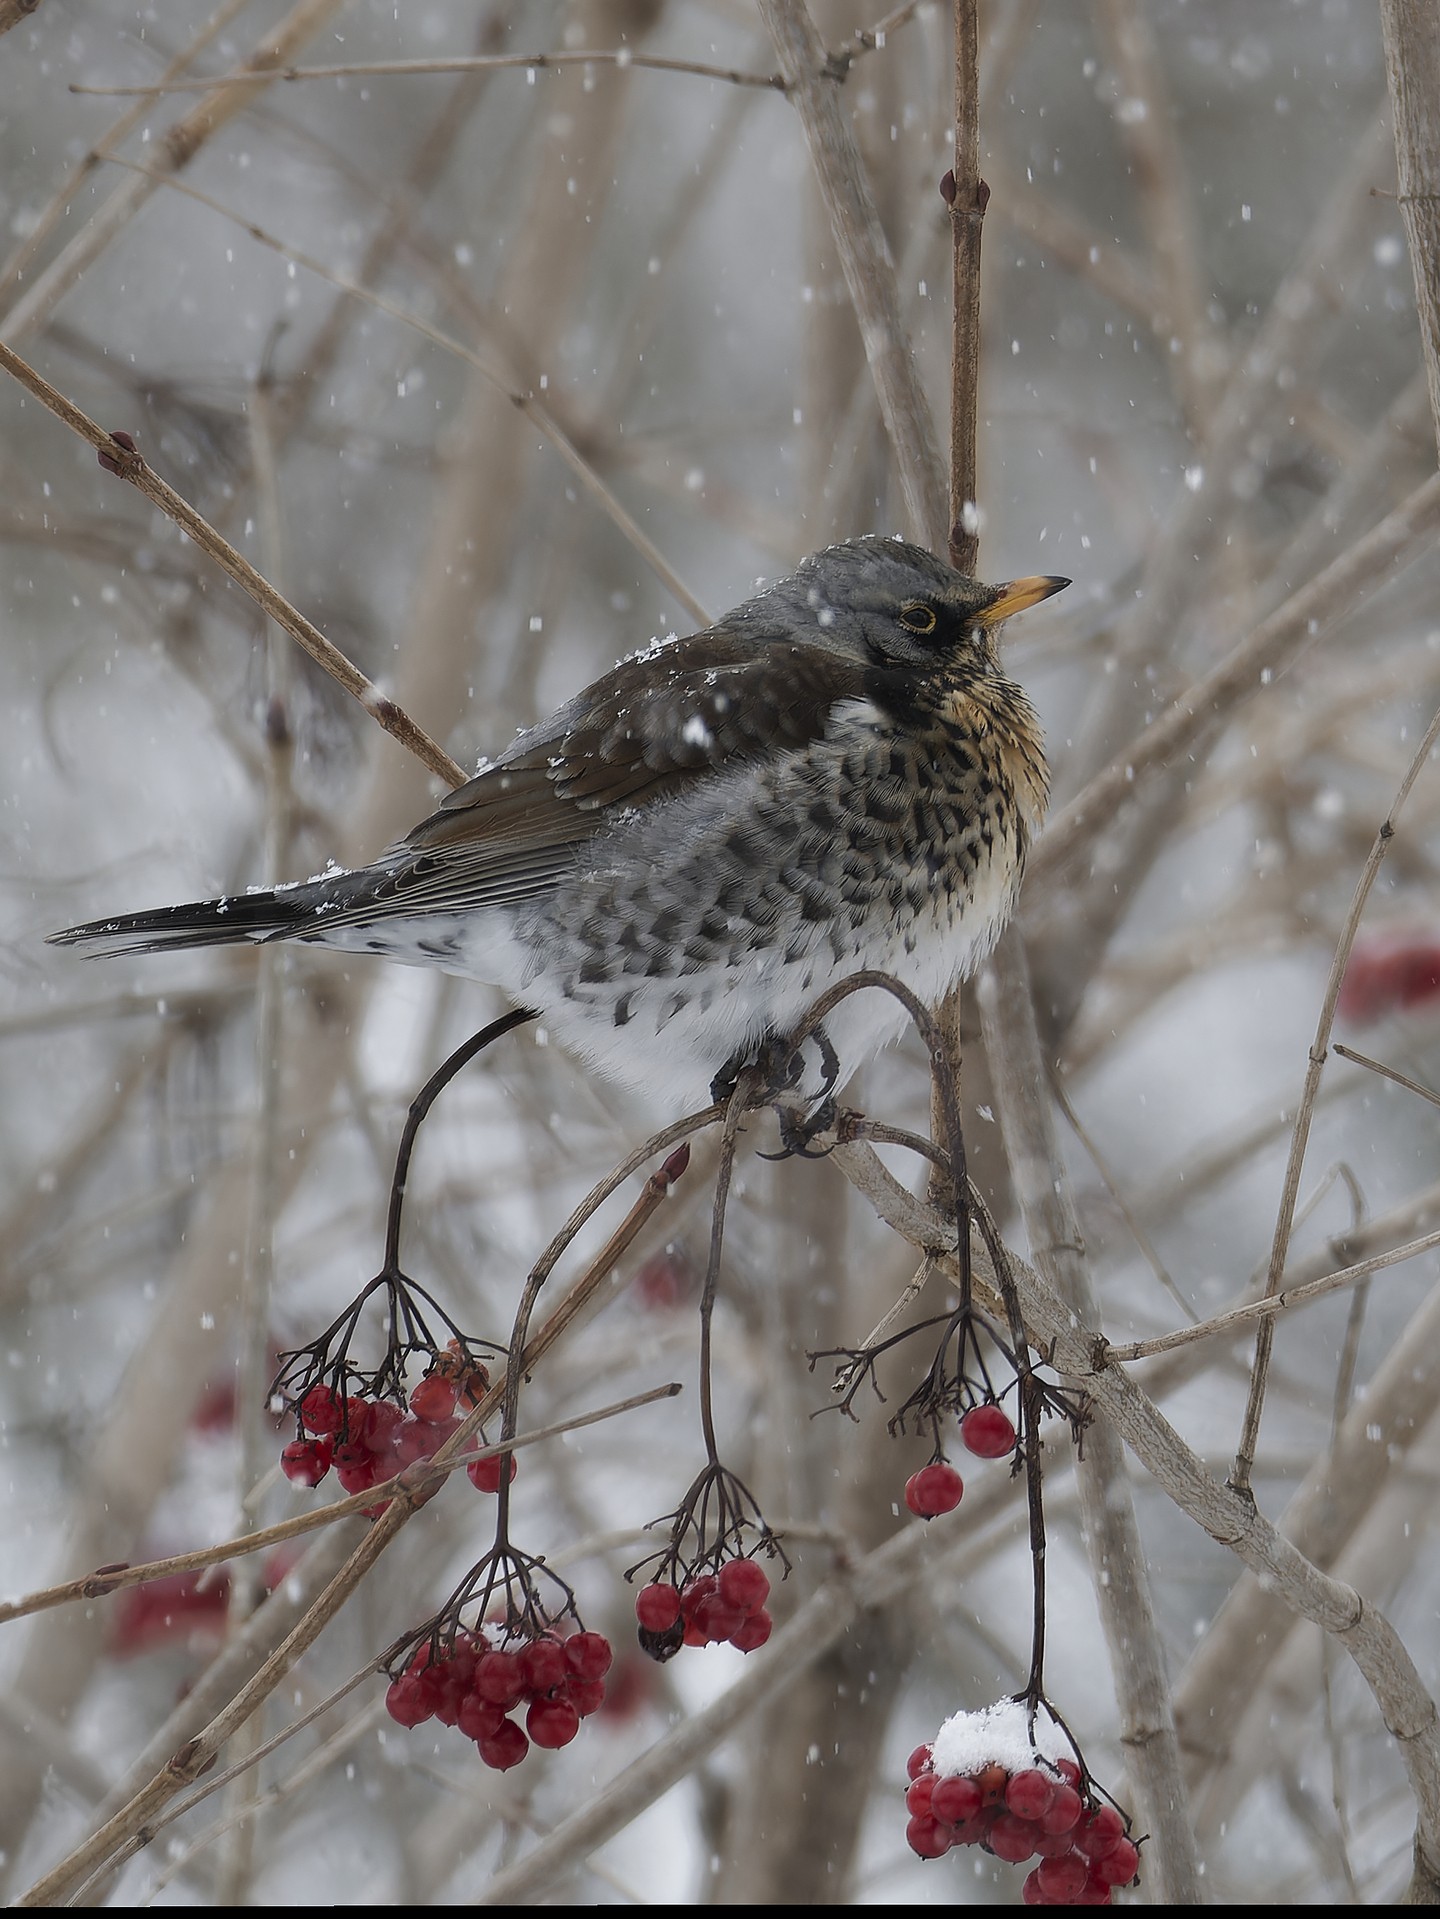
(1280, 1245)
(1267, 1309)
(177, 147)
(522, 398)
(1400, 538)
(122, 459)
(620, 57)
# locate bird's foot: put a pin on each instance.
(800, 1130)
(781, 1065)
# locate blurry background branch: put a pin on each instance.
(1204, 397)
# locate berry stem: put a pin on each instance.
(745, 1087)
(420, 1106)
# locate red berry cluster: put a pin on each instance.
(727, 1606)
(475, 1686)
(1037, 1812)
(370, 1440)
(988, 1432)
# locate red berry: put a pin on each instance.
(657, 1607)
(448, 1696)
(1118, 1867)
(1013, 1838)
(1032, 1893)
(1030, 1793)
(972, 1832)
(695, 1592)
(406, 1702)
(1061, 1879)
(357, 1472)
(322, 1412)
(1050, 1845)
(505, 1747)
(717, 1620)
(542, 1666)
(992, 1781)
(1100, 1833)
(1069, 1772)
(477, 1719)
(382, 1421)
(485, 1473)
(588, 1655)
(499, 1680)
(305, 1462)
(552, 1723)
(1063, 1811)
(433, 1399)
(935, 1489)
(752, 1633)
(927, 1837)
(666, 1279)
(919, 1761)
(587, 1695)
(745, 1584)
(1093, 1893)
(956, 1798)
(988, 1432)
(919, 1793)
(414, 1440)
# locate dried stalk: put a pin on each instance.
(1111, 1533)
(1280, 1245)
(813, 87)
(1412, 72)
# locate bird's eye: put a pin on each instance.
(917, 616)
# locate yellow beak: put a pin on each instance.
(1018, 594)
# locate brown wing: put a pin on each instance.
(647, 730)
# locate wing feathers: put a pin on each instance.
(651, 728)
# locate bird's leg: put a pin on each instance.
(777, 1063)
(799, 1129)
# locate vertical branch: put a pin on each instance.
(1412, 70)
(813, 80)
(1112, 1537)
(966, 195)
(236, 1852)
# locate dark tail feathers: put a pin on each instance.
(245, 916)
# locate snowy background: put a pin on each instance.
(1201, 384)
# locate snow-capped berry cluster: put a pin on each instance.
(727, 1606)
(978, 1785)
(480, 1680)
(370, 1440)
(987, 1431)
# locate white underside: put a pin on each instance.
(681, 1032)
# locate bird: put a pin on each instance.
(835, 776)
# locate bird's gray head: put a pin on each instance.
(889, 603)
